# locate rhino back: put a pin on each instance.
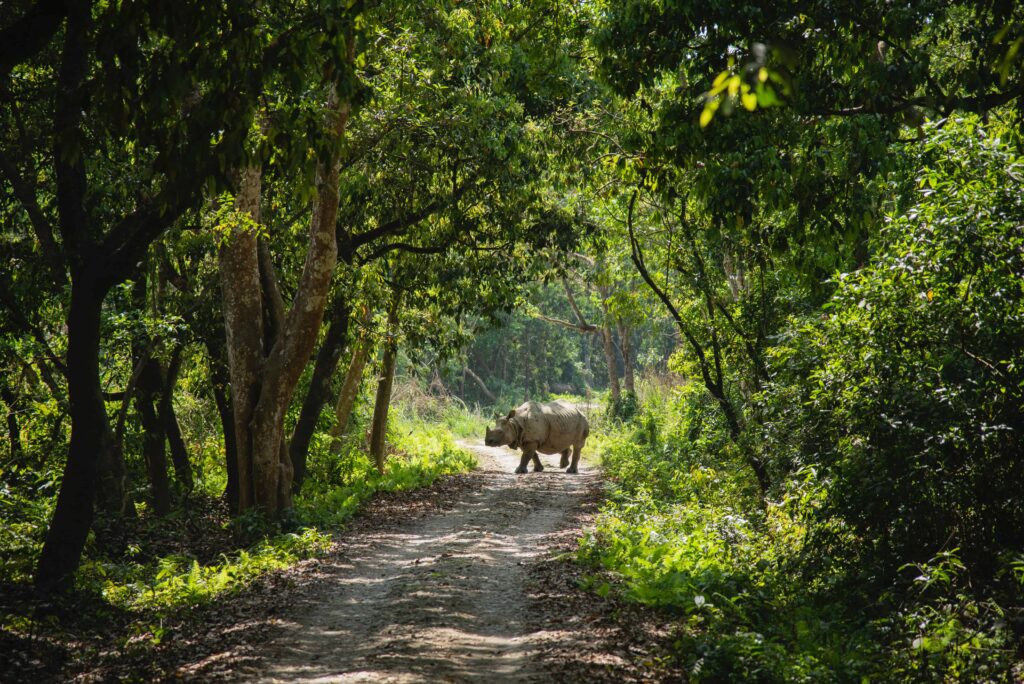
(557, 424)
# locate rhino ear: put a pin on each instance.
(511, 413)
(497, 414)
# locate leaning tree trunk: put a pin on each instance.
(147, 386)
(319, 388)
(352, 383)
(480, 383)
(90, 436)
(378, 428)
(219, 381)
(169, 422)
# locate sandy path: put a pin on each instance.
(442, 598)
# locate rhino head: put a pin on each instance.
(502, 433)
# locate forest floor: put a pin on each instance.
(469, 579)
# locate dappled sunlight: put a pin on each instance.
(445, 598)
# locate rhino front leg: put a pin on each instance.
(528, 453)
(565, 458)
(575, 459)
(537, 466)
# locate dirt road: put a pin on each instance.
(441, 599)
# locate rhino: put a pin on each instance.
(555, 427)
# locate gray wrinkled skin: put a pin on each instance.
(556, 427)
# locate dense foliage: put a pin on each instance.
(892, 425)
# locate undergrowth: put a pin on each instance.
(214, 554)
(744, 585)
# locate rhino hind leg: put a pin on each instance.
(575, 459)
(565, 458)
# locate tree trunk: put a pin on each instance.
(626, 343)
(378, 427)
(219, 381)
(319, 388)
(613, 370)
(733, 421)
(273, 300)
(169, 421)
(263, 386)
(90, 436)
(112, 494)
(587, 365)
(527, 371)
(13, 429)
(353, 381)
(147, 385)
(243, 323)
(153, 450)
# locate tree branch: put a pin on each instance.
(404, 247)
(42, 227)
(637, 257)
(581, 327)
(977, 104)
(129, 389)
(29, 34)
(401, 224)
(476, 378)
(572, 304)
(273, 300)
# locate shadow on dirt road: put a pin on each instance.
(440, 599)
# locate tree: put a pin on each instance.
(859, 59)
(106, 115)
(438, 141)
(913, 378)
(385, 381)
(263, 381)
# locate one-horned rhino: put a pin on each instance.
(556, 427)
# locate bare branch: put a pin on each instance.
(476, 378)
(42, 227)
(581, 327)
(572, 303)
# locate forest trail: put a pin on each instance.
(444, 598)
